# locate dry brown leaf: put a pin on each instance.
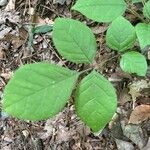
(140, 114)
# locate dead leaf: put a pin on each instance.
(41, 21)
(99, 29)
(11, 5)
(64, 135)
(62, 2)
(140, 114)
(123, 145)
(6, 76)
(147, 147)
(135, 89)
(3, 2)
(12, 16)
(19, 40)
(136, 134)
(4, 32)
(124, 96)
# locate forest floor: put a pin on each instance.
(129, 128)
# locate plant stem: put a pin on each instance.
(88, 69)
(143, 2)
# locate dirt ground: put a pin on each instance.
(65, 131)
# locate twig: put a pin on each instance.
(86, 70)
(136, 14)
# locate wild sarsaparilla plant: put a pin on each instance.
(41, 90)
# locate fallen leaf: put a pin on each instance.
(64, 135)
(123, 145)
(140, 114)
(99, 29)
(147, 147)
(11, 5)
(136, 87)
(136, 134)
(41, 21)
(17, 41)
(124, 96)
(4, 32)
(6, 76)
(12, 16)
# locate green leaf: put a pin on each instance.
(134, 62)
(38, 91)
(136, 1)
(95, 101)
(146, 10)
(101, 10)
(143, 34)
(120, 35)
(42, 29)
(74, 40)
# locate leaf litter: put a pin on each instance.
(129, 128)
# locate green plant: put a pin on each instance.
(41, 90)
(121, 34)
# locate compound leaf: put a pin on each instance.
(101, 10)
(146, 10)
(74, 40)
(120, 35)
(38, 91)
(134, 62)
(143, 34)
(95, 101)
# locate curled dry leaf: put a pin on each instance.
(140, 114)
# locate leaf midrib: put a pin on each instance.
(77, 44)
(44, 88)
(99, 5)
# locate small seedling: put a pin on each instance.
(41, 90)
